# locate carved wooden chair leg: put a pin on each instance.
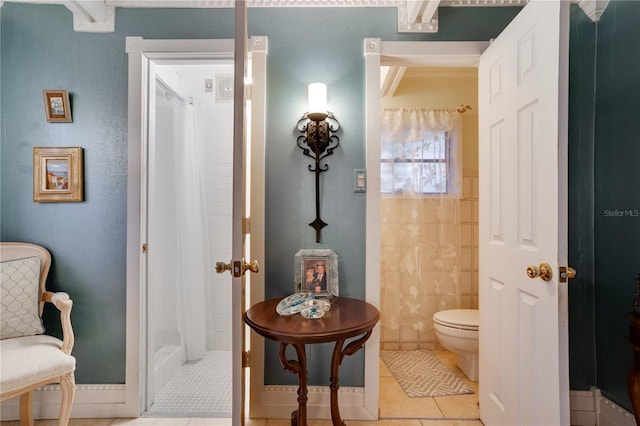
(68, 384)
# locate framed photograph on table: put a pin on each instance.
(57, 174)
(56, 106)
(316, 270)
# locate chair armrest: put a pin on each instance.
(62, 301)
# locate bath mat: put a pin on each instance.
(421, 374)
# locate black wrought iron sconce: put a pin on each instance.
(318, 140)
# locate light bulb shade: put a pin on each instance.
(317, 101)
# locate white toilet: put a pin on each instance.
(457, 331)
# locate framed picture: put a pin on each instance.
(57, 174)
(316, 271)
(56, 106)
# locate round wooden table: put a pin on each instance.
(347, 318)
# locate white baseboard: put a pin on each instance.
(584, 407)
(108, 401)
(91, 401)
(612, 414)
(280, 401)
(588, 408)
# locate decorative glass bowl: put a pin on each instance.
(305, 304)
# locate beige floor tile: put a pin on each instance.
(384, 370)
(88, 422)
(394, 402)
(150, 421)
(215, 422)
(459, 406)
(451, 423)
(313, 422)
(384, 422)
(278, 422)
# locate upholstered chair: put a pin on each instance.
(29, 358)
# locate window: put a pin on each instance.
(421, 166)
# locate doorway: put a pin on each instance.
(415, 54)
(143, 54)
(189, 216)
(430, 256)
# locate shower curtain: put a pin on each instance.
(193, 249)
(420, 208)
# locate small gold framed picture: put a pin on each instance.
(56, 106)
(57, 174)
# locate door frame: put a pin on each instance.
(449, 54)
(140, 51)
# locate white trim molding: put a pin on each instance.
(593, 8)
(590, 408)
(280, 401)
(91, 401)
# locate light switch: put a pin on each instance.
(359, 180)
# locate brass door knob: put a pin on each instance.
(237, 268)
(221, 267)
(251, 266)
(543, 271)
(566, 273)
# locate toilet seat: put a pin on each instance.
(463, 319)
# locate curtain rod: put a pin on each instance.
(168, 89)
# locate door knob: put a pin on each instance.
(237, 267)
(543, 271)
(251, 266)
(566, 272)
(221, 267)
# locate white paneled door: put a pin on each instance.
(523, 90)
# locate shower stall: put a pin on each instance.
(189, 228)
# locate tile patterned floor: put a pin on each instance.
(396, 409)
(199, 389)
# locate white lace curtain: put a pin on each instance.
(420, 235)
(406, 124)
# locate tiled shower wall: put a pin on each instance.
(469, 243)
(214, 123)
(415, 336)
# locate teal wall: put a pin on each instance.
(581, 161)
(617, 191)
(338, 60)
(40, 50)
(88, 240)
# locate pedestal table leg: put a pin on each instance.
(299, 367)
(336, 360)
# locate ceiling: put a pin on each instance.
(419, 16)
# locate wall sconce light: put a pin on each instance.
(317, 140)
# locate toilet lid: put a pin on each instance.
(467, 319)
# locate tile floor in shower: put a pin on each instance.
(199, 389)
(190, 393)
